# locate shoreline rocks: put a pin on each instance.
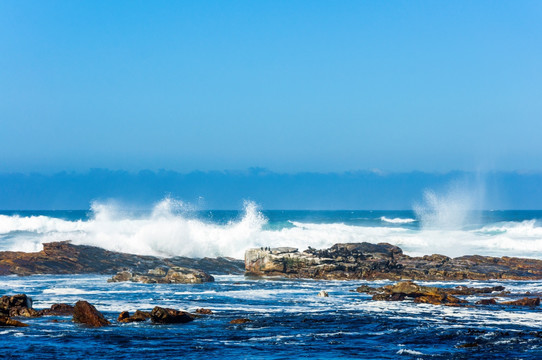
(65, 258)
(366, 261)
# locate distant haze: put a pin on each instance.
(270, 190)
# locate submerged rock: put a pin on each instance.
(240, 321)
(169, 316)
(384, 261)
(204, 311)
(173, 275)
(85, 313)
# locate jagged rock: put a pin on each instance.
(66, 258)
(169, 316)
(17, 305)
(174, 275)
(323, 293)
(240, 321)
(204, 311)
(87, 314)
(523, 302)
(16, 301)
(138, 316)
(384, 261)
(57, 310)
(6, 321)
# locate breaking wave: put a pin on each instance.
(397, 220)
(170, 230)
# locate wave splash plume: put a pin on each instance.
(172, 228)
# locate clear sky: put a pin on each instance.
(286, 85)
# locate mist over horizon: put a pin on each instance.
(228, 189)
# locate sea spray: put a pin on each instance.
(172, 228)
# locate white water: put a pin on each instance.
(167, 232)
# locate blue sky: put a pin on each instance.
(286, 85)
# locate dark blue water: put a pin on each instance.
(288, 321)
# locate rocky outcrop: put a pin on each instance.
(419, 294)
(174, 275)
(138, 316)
(384, 261)
(66, 258)
(169, 316)
(17, 305)
(524, 302)
(407, 290)
(85, 313)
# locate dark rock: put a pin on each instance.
(465, 290)
(17, 305)
(240, 321)
(57, 310)
(486, 302)
(6, 321)
(23, 311)
(66, 258)
(138, 316)
(204, 311)
(523, 302)
(87, 314)
(468, 345)
(384, 261)
(16, 301)
(169, 316)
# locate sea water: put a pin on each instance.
(288, 318)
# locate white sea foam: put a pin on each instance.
(408, 352)
(168, 232)
(397, 220)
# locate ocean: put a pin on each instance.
(288, 318)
